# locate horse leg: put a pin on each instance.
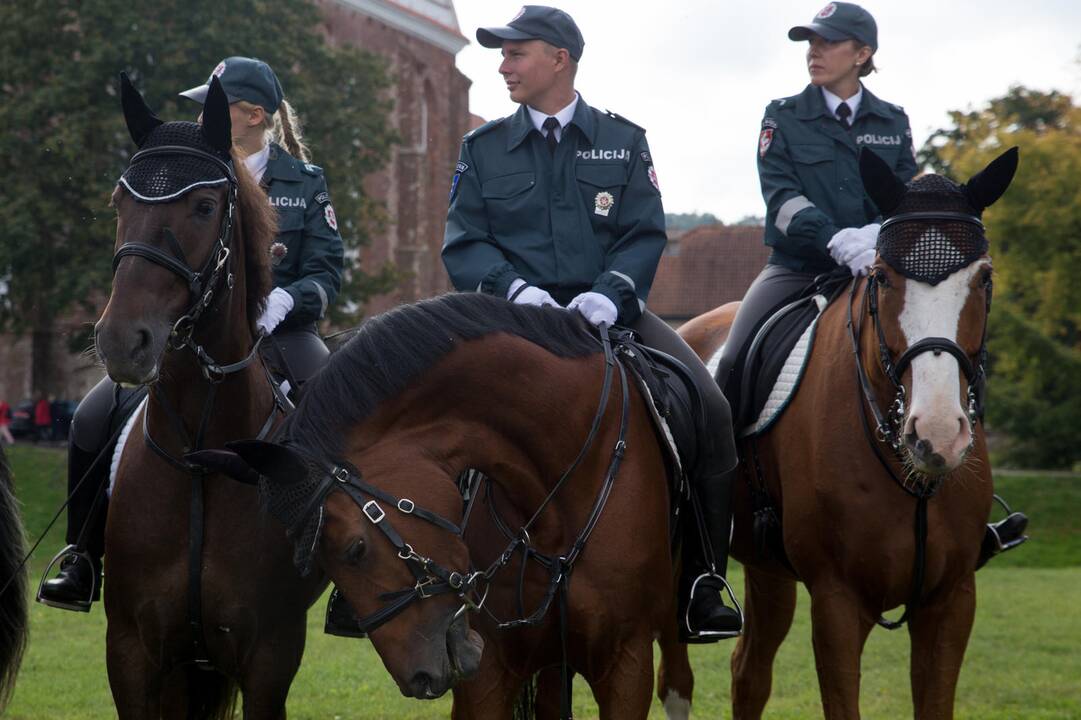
(839, 629)
(675, 678)
(768, 607)
(491, 693)
(939, 632)
(625, 691)
(135, 682)
(268, 674)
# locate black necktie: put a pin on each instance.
(550, 125)
(843, 112)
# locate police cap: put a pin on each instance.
(245, 79)
(840, 21)
(537, 22)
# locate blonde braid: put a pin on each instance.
(287, 132)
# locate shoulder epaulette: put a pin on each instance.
(310, 169)
(617, 116)
(477, 132)
(898, 108)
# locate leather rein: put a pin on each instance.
(888, 427)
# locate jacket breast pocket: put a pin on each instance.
(602, 187)
(510, 204)
(815, 167)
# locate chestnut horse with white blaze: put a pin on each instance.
(878, 467)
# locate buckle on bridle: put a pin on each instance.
(406, 505)
(341, 475)
(370, 509)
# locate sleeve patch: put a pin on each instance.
(768, 122)
(330, 217)
(764, 141)
(323, 198)
(645, 157)
(460, 168)
(652, 175)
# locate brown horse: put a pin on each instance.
(14, 622)
(910, 338)
(201, 594)
(369, 469)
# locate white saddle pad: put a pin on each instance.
(118, 452)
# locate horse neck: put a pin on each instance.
(225, 334)
(524, 435)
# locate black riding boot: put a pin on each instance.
(1006, 534)
(341, 619)
(79, 581)
(704, 617)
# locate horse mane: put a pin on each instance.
(393, 349)
(13, 601)
(259, 227)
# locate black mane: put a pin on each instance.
(393, 349)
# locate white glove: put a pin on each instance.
(595, 308)
(861, 262)
(530, 295)
(848, 243)
(278, 305)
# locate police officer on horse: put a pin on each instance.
(558, 205)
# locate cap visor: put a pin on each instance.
(493, 37)
(804, 32)
(198, 94)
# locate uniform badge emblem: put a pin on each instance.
(331, 218)
(218, 70)
(603, 203)
(652, 175)
(826, 11)
(764, 141)
(278, 251)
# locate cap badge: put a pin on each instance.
(764, 141)
(826, 11)
(331, 218)
(603, 203)
(218, 70)
(278, 251)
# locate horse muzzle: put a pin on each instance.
(131, 350)
(460, 661)
(938, 448)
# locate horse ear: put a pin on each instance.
(881, 184)
(140, 119)
(277, 463)
(987, 186)
(217, 126)
(227, 463)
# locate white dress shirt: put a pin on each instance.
(564, 116)
(833, 102)
(256, 163)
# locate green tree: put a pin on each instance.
(1035, 236)
(64, 142)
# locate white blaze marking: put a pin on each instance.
(676, 707)
(935, 311)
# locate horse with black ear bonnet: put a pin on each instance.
(201, 595)
(875, 468)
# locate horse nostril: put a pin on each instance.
(924, 447)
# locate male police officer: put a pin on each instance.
(558, 205)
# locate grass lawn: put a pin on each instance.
(1022, 662)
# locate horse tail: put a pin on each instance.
(211, 695)
(13, 602)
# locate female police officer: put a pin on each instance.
(307, 266)
(818, 216)
(558, 205)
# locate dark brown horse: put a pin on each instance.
(201, 595)
(370, 462)
(848, 500)
(14, 622)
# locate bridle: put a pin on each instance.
(203, 283)
(889, 426)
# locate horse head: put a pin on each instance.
(929, 295)
(402, 567)
(177, 203)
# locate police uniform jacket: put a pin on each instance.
(310, 269)
(808, 165)
(588, 219)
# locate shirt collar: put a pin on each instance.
(833, 101)
(563, 116)
(520, 124)
(256, 162)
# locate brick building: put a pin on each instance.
(705, 267)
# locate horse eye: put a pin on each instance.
(355, 552)
(205, 208)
